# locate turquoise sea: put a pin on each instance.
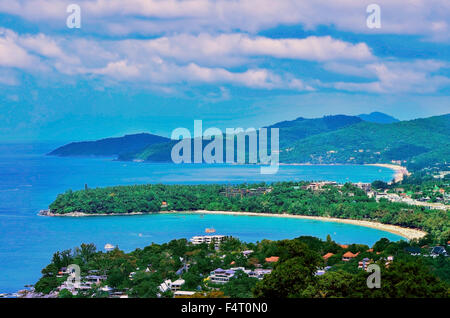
(29, 181)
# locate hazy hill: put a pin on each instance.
(331, 139)
(148, 147)
(109, 146)
(379, 118)
(290, 132)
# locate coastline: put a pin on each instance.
(400, 171)
(407, 233)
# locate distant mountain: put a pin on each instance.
(331, 139)
(300, 128)
(379, 118)
(290, 132)
(109, 146)
(414, 143)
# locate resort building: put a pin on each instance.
(364, 263)
(322, 271)
(223, 276)
(363, 186)
(437, 251)
(413, 250)
(327, 256)
(183, 293)
(238, 192)
(247, 253)
(208, 239)
(168, 285)
(317, 186)
(176, 285)
(165, 286)
(95, 279)
(259, 273)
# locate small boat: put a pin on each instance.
(210, 230)
(109, 247)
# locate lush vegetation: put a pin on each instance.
(294, 275)
(416, 143)
(347, 201)
(348, 139)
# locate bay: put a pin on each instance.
(30, 181)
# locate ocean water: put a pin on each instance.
(29, 181)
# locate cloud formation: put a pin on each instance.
(197, 42)
(428, 18)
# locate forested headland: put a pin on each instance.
(344, 201)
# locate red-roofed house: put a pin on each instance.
(343, 245)
(348, 256)
(272, 259)
(327, 256)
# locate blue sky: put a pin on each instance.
(150, 65)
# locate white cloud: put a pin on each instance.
(239, 49)
(420, 17)
(393, 77)
(160, 72)
(11, 54)
(182, 58)
(47, 47)
(233, 59)
(118, 70)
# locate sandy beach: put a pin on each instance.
(400, 171)
(407, 233)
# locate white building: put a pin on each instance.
(165, 286)
(208, 239)
(176, 285)
(223, 276)
(183, 293)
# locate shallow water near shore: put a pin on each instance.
(29, 181)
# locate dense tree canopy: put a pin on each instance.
(347, 201)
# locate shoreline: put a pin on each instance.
(395, 229)
(400, 171)
(404, 232)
